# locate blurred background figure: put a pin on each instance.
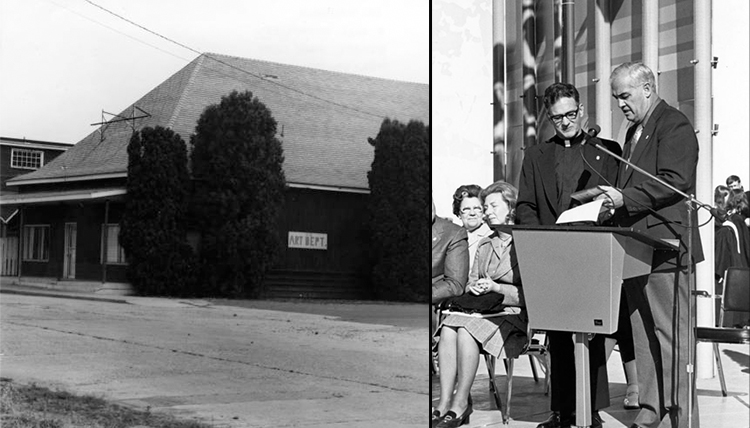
(731, 241)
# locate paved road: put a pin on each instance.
(229, 366)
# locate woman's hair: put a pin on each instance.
(720, 197)
(463, 192)
(510, 194)
(737, 202)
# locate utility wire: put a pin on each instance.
(257, 76)
(118, 31)
(216, 70)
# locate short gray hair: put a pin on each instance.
(637, 71)
(509, 192)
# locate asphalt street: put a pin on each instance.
(303, 366)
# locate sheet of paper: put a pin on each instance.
(586, 213)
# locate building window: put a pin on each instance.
(26, 159)
(111, 249)
(36, 243)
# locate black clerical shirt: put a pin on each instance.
(568, 168)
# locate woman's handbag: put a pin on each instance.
(489, 303)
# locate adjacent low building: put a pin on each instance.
(71, 208)
(18, 156)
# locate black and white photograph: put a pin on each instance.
(213, 213)
(590, 214)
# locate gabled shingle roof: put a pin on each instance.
(325, 144)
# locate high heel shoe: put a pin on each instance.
(631, 401)
(450, 420)
(435, 417)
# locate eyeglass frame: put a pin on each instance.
(571, 116)
(468, 210)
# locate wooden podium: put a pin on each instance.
(572, 277)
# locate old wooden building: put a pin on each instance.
(70, 209)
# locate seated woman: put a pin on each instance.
(468, 208)
(463, 337)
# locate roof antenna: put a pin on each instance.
(131, 119)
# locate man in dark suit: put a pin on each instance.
(551, 172)
(450, 258)
(661, 141)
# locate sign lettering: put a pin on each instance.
(308, 240)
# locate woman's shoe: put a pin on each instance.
(631, 401)
(450, 420)
(435, 417)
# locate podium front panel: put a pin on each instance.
(572, 280)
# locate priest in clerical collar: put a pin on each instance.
(552, 170)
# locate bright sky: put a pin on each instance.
(64, 61)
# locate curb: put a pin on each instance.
(26, 292)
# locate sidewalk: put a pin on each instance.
(41, 290)
(361, 311)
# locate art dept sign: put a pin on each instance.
(307, 240)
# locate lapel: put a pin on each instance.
(594, 158)
(644, 142)
(499, 247)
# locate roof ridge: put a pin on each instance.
(180, 103)
(209, 54)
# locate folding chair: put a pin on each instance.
(736, 297)
(536, 349)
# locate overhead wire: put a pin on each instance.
(250, 73)
(118, 31)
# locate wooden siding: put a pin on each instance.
(340, 271)
(9, 256)
(6, 172)
(89, 218)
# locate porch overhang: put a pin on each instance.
(37, 198)
(7, 213)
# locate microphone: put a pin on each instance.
(594, 130)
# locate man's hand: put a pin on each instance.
(612, 197)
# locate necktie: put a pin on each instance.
(633, 142)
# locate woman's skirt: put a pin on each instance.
(498, 336)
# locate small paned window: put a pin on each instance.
(36, 243)
(26, 159)
(112, 251)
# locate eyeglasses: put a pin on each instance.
(571, 115)
(467, 210)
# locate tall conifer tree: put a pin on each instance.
(237, 167)
(399, 209)
(153, 227)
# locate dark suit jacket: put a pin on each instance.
(667, 149)
(450, 259)
(537, 190)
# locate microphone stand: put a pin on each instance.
(691, 203)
